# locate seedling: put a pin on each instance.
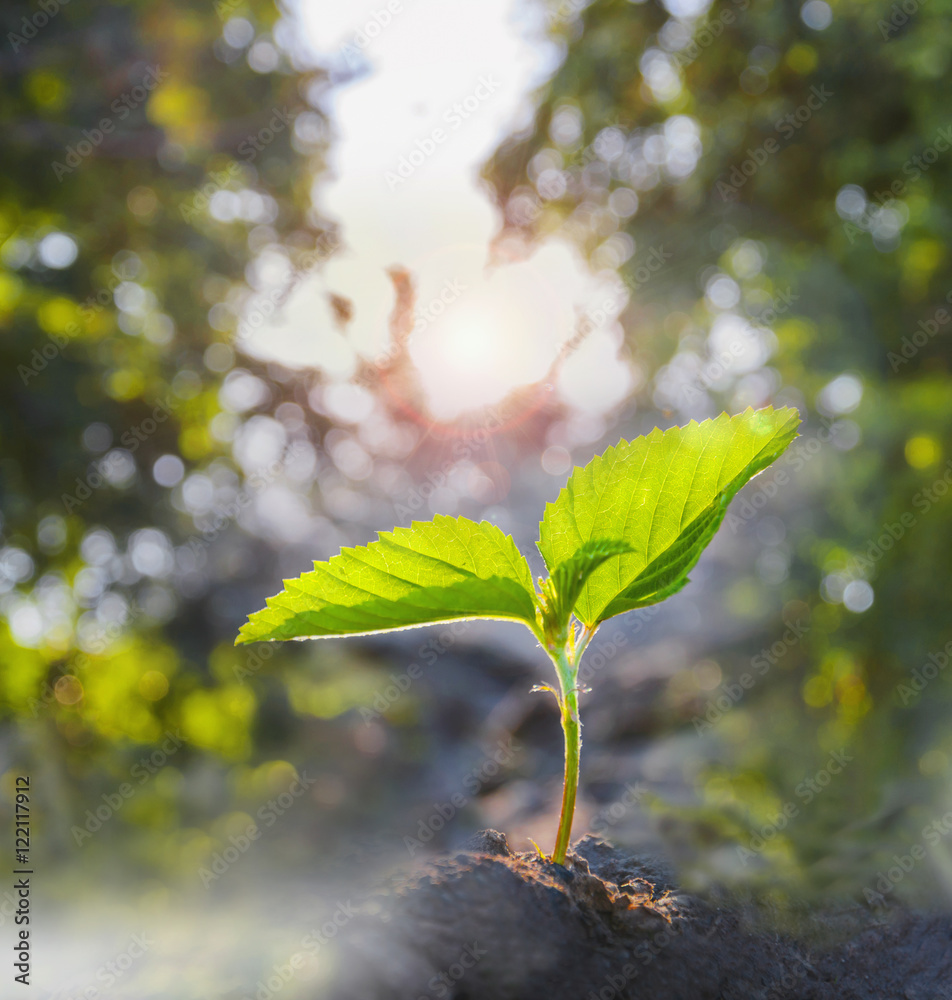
(623, 534)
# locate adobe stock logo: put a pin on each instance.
(31, 26)
(786, 127)
(926, 329)
(919, 677)
(378, 22)
(453, 117)
(899, 15)
(423, 316)
(121, 108)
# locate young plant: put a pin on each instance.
(624, 532)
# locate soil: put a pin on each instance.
(488, 924)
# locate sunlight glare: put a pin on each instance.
(478, 334)
(503, 330)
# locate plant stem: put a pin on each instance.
(565, 649)
(573, 747)
(566, 656)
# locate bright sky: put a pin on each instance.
(446, 82)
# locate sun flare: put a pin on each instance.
(500, 332)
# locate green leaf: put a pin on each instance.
(665, 495)
(435, 571)
(560, 592)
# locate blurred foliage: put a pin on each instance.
(119, 292)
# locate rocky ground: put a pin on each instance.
(488, 924)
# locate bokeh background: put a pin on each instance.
(274, 278)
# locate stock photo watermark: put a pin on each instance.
(93, 645)
(891, 532)
(264, 305)
(113, 802)
(886, 880)
(255, 660)
(786, 128)
(222, 514)
(610, 815)
(601, 652)
(806, 791)
(466, 445)
(898, 17)
(423, 316)
(473, 782)
(281, 974)
(869, 212)
(806, 447)
(444, 984)
(354, 51)
(454, 117)
(248, 149)
(240, 843)
(117, 465)
(94, 304)
(715, 368)
(921, 676)
(387, 696)
(109, 973)
(732, 692)
(926, 330)
(121, 108)
(617, 983)
(652, 262)
(31, 26)
(708, 33)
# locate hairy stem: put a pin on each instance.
(566, 657)
(573, 747)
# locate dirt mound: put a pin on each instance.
(491, 925)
